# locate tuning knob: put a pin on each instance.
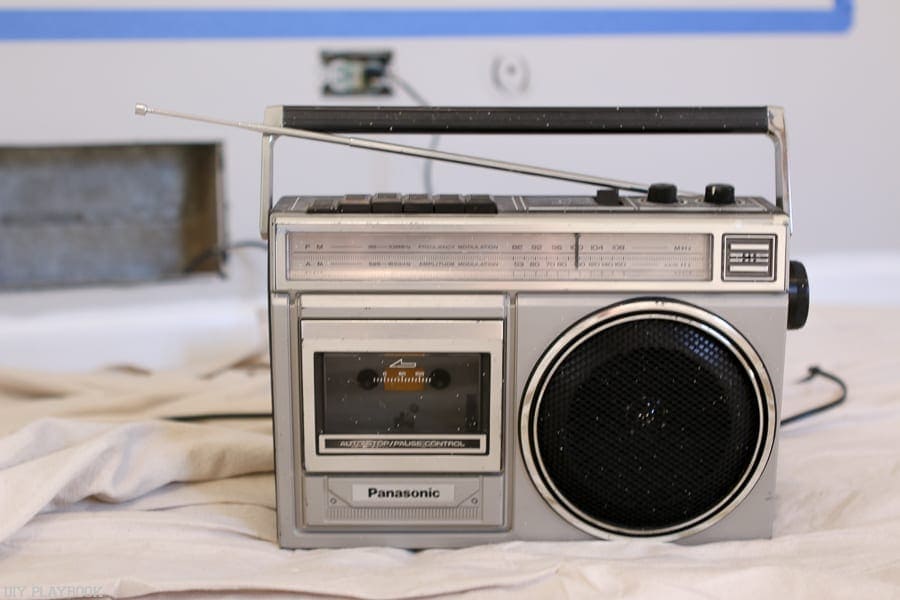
(719, 193)
(798, 295)
(662, 193)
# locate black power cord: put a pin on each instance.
(814, 372)
(218, 416)
(428, 167)
(222, 253)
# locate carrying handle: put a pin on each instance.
(527, 120)
(763, 120)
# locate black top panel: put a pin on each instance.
(507, 120)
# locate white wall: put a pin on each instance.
(841, 91)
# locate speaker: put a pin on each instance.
(648, 418)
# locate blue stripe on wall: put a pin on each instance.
(150, 24)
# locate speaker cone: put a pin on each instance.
(650, 418)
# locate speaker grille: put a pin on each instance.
(645, 426)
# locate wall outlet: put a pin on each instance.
(356, 73)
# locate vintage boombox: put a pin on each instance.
(452, 370)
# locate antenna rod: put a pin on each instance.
(379, 146)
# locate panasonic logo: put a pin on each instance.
(375, 492)
(386, 493)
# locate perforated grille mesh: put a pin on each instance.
(648, 424)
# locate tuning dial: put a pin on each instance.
(662, 193)
(719, 193)
(798, 295)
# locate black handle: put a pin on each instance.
(530, 120)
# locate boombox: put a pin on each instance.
(460, 369)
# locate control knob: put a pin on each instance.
(719, 194)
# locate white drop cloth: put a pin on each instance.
(97, 497)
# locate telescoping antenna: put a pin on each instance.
(379, 146)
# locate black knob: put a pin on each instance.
(662, 193)
(798, 295)
(719, 193)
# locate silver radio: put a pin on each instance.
(451, 370)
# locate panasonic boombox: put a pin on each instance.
(459, 369)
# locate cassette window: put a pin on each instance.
(403, 403)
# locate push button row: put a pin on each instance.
(412, 203)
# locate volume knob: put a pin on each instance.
(719, 193)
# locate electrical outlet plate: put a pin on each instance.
(356, 73)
